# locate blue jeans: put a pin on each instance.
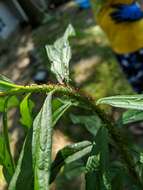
(132, 66)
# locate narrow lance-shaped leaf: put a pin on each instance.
(6, 84)
(5, 155)
(104, 159)
(5, 160)
(23, 177)
(60, 55)
(9, 166)
(68, 155)
(74, 169)
(63, 106)
(132, 116)
(129, 102)
(92, 169)
(42, 145)
(91, 122)
(26, 107)
(98, 164)
(12, 102)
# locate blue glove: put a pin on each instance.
(127, 13)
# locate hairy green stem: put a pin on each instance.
(115, 133)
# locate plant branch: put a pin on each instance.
(115, 133)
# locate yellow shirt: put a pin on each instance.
(123, 37)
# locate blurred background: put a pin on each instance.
(26, 26)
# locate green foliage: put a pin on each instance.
(106, 160)
(68, 155)
(132, 116)
(63, 106)
(6, 84)
(8, 160)
(5, 160)
(12, 102)
(60, 55)
(42, 145)
(128, 102)
(98, 163)
(92, 122)
(23, 177)
(26, 108)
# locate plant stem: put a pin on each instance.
(115, 133)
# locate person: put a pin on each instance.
(122, 21)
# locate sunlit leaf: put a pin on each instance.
(141, 157)
(61, 108)
(8, 164)
(42, 144)
(74, 169)
(131, 116)
(91, 122)
(60, 55)
(6, 84)
(23, 177)
(129, 102)
(92, 168)
(93, 163)
(13, 102)
(5, 160)
(97, 166)
(26, 108)
(4, 78)
(68, 155)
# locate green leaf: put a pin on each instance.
(13, 102)
(91, 122)
(9, 162)
(92, 168)
(42, 144)
(60, 55)
(140, 164)
(2, 102)
(68, 155)
(61, 108)
(74, 169)
(23, 177)
(98, 163)
(132, 116)
(141, 157)
(6, 84)
(93, 163)
(129, 102)
(3, 78)
(5, 155)
(5, 160)
(26, 108)
(118, 177)
(104, 157)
